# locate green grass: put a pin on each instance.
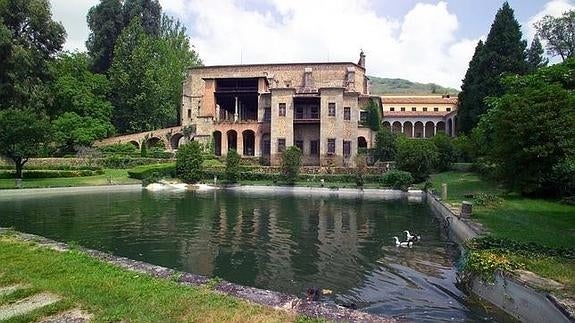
(115, 176)
(545, 222)
(114, 294)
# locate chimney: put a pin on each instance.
(361, 59)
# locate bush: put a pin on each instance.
(385, 145)
(397, 179)
(212, 163)
(464, 149)
(144, 150)
(189, 162)
(487, 200)
(360, 169)
(146, 171)
(232, 166)
(291, 163)
(27, 174)
(564, 176)
(119, 149)
(445, 152)
(417, 156)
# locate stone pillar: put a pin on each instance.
(444, 191)
(257, 144)
(434, 129)
(413, 130)
(217, 112)
(466, 209)
(240, 143)
(236, 110)
(402, 127)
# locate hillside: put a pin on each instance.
(388, 86)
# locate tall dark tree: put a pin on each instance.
(503, 53)
(106, 22)
(29, 39)
(148, 11)
(536, 56)
(469, 90)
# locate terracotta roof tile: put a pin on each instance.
(416, 113)
(419, 100)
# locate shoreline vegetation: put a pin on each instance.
(110, 293)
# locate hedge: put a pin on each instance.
(52, 167)
(51, 173)
(158, 170)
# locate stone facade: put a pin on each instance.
(259, 110)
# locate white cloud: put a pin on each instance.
(420, 47)
(553, 8)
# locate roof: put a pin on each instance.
(278, 64)
(419, 100)
(416, 113)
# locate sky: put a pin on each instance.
(419, 40)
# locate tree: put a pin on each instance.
(559, 34)
(147, 75)
(530, 130)
(29, 39)
(373, 116)
(22, 135)
(290, 164)
(417, 156)
(360, 169)
(189, 162)
(445, 151)
(503, 53)
(535, 56)
(232, 166)
(385, 145)
(106, 22)
(72, 130)
(148, 11)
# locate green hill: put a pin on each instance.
(388, 86)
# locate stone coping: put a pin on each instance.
(525, 288)
(69, 189)
(367, 192)
(276, 300)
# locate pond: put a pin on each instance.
(279, 242)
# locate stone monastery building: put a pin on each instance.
(261, 109)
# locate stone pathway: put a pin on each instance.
(38, 301)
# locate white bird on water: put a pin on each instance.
(412, 238)
(402, 243)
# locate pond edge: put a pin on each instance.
(514, 297)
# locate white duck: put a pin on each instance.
(402, 243)
(412, 238)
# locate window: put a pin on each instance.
(363, 116)
(402, 109)
(266, 147)
(347, 113)
(392, 109)
(299, 144)
(435, 109)
(282, 109)
(331, 146)
(413, 109)
(189, 113)
(267, 114)
(331, 109)
(314, 147)
(281, 144)
(315, 112)
(425, 109)
(346, 148)
(299, 113)
(448, 109)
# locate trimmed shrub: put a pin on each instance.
(147, 171)
(51, 173)
(119, 149)
(360, 169)
(385, 145)
(189, 162)
(417, 156)
(397, 179)
(291, 163)
(232, 166)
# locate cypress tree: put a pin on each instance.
(503, 53)
(106, 24)
(535, 56)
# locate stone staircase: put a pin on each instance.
(29, 304)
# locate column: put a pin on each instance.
(236, 110)
(434, 129)
(412, 129)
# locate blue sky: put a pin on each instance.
(420, 40)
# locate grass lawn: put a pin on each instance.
(116, 176)
(114, 294)
(545, 222)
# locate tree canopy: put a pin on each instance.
(558, 34)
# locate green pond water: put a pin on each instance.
(279, 242)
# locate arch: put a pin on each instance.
(232, 140)
(135, 143)
(408, 129)
(449, 127)
(418, 129)
(249, 141)
(266, 144)
(361, 143)
(440, 127)
(155, 142)
(396, 127)
(217, 143)
(429, 129)
(175, 140)
(386, 125)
